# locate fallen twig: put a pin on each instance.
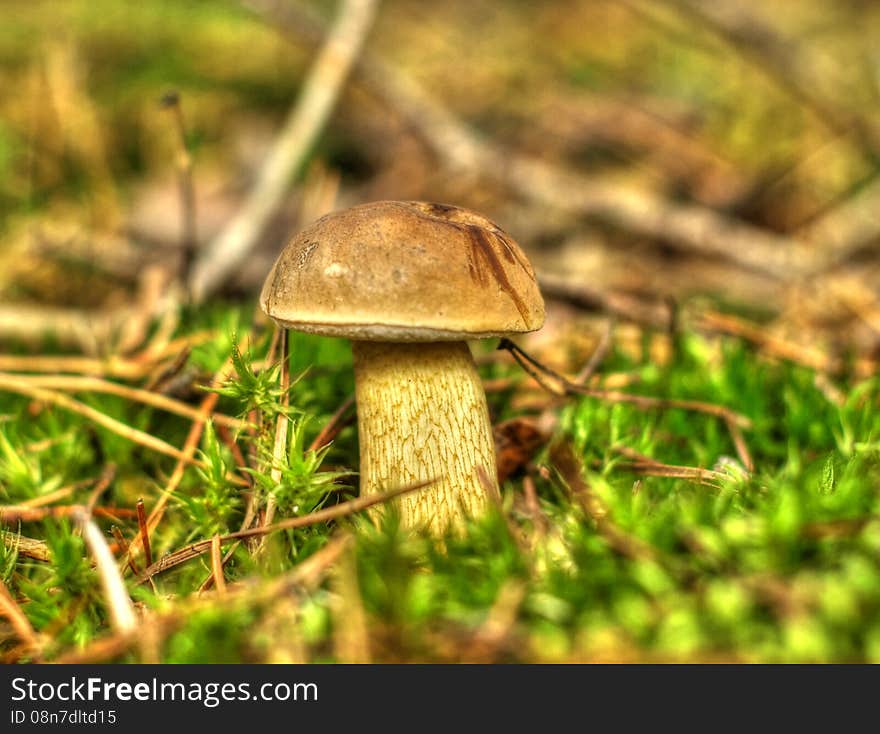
(772, 345)
(647, 466)
(306, 575)
(564, 386)
(189, 242)
(193, 550)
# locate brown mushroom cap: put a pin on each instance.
(404, 271)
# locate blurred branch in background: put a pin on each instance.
(629, 193)
(687, 226)
(306, 120)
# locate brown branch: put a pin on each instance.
(564, 387)
(773, 345)
(337, 422)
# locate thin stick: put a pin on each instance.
(122, 613)
(648, 466)
(217, 565)
(304, 123)
(189, 242)
(123, 548)
(101, 486)
(20, 623)
(11, 384)
(279, 450)
(598, 355)
(78, 383)
(331, 513)
(333, 426)
(742, 448)
(144, 532)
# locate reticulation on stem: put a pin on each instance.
(422, 416)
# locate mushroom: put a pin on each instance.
(409, 282)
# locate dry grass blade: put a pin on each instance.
(21, 513)
(22, 387)
(188, 452)
(331, 513)
(144, 532)
(307, 574)
(282, 424)
(122, 613)
(647, 466)
(75, 383)
(216, 565)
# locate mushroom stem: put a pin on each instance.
(422, 416)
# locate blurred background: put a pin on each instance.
(647, 154)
